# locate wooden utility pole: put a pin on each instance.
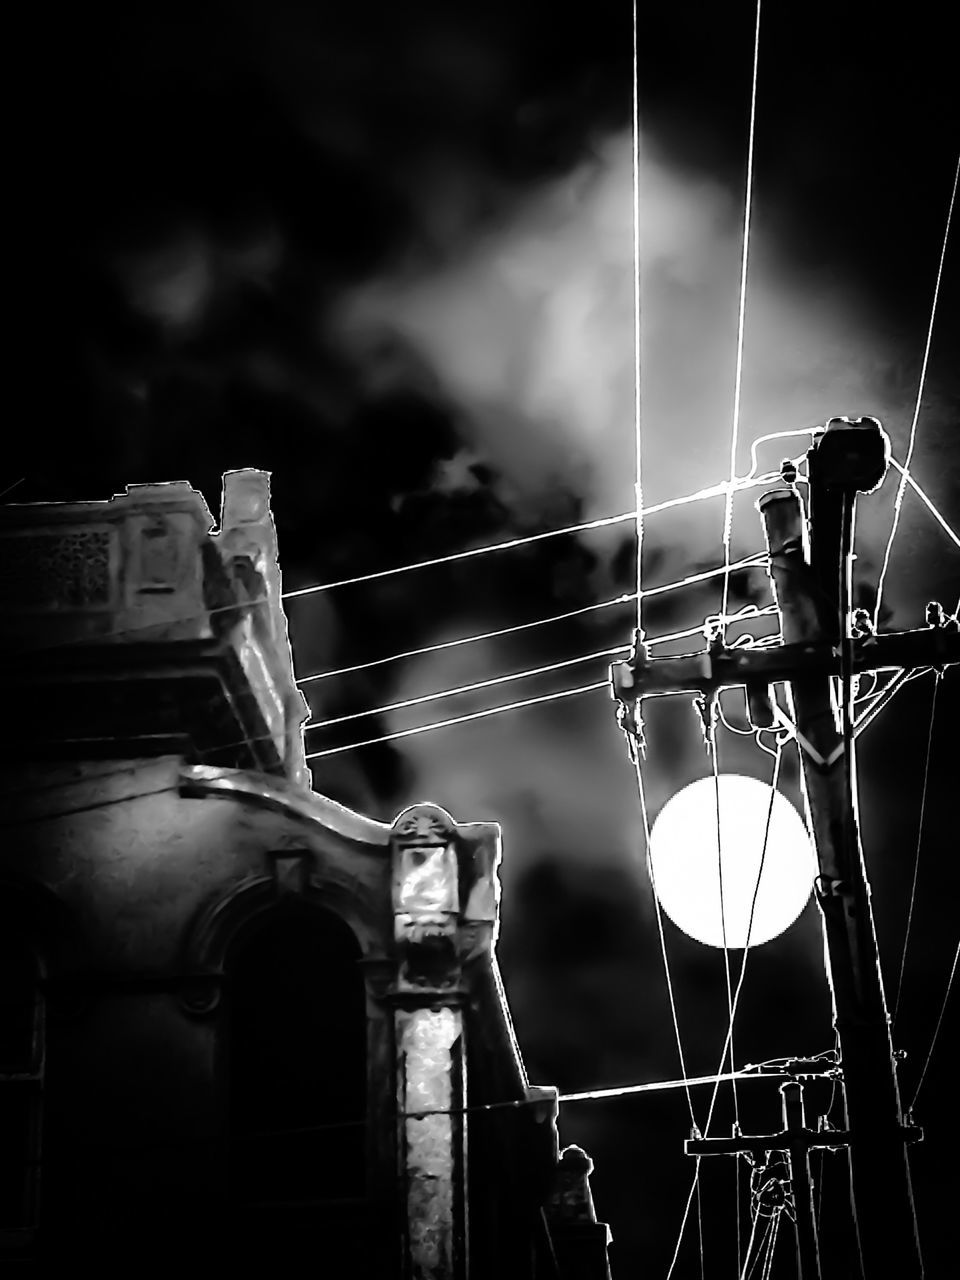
(797, 1141)
(811, 580)
(812, 593)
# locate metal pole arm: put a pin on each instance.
(719, 667)
(809, 1139)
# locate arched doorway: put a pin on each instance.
(296, 1079)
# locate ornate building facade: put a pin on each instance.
(240, 1024)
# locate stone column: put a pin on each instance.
(444, 905)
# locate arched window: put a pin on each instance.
(297, 1077)
(21, 1079)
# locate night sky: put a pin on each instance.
(385, 252)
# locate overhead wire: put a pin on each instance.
(936, 1030)
(584, 526)
(658, 912)
(633, 744)
(694, 1191)
(472, 1109)
(927, 502)
(240, 606)
(750, 919)
(735, 1001)
(905, 469)
(715, 762)
(775, 1221)
(638, 435)
(494, 680)
(695, 1186)
(916, 859)
(466, 688)
(88, 808)
(464, 719)
(741, 307)
(747, 612)
(402, 733)
(728, 531)
(749, 1268)
(625, 598)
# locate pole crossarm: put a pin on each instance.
(719, 667)
(809, 1139)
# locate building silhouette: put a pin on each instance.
(241, 1026)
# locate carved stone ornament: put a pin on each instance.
(426, 888)
(426, 896)
(160, 553)
(424, 824)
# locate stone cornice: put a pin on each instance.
(276, 793)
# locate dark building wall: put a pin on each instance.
(183, 911)
(226, 958)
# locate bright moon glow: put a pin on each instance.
(686, 866)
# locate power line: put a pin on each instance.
(749, 562)
(88, 808)
(715, 490)
(466, 688)
(715, 762)
(742, 307)
(748, 611)
(911, 481)
(472, 1109)
(694, 1190)
(240, 607)
(474, 715)
(904, 470)
(490, 683)
(936, 1030)
(627, 598)
(753, 906)
(690, 580)
(712, 491)
(638, 488)
(635, 756)
(916, 860)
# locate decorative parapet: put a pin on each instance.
(144, 574)
(125, 570)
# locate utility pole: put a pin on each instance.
(797, 1141)
(811, 581)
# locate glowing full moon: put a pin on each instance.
(686, 865)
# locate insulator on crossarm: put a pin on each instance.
(862, 623)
